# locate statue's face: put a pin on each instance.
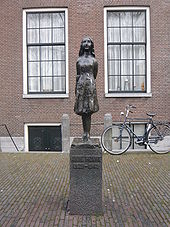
(87, 44)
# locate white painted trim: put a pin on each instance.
(26, 137)
(105, 50)
(148, 50)
(24, 54)
(126, 8)
(128, 95)
(25, 86)
(44, 96)
(26, 125)
(148, 91)
(66, 46)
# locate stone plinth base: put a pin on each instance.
(85, 177)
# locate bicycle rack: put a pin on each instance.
(10, 136)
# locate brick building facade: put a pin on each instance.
(131, 41)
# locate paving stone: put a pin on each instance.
(34, 190)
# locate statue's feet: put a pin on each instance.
(85, 137)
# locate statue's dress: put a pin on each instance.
(86, 95)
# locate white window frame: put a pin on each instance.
(26, 136)
(25, 83)
(148, 74)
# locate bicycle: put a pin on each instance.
(117, 139)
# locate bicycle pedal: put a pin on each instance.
(139, 142)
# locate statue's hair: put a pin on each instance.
(81, 52)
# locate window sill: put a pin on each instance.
(128, 95)
(44, 96)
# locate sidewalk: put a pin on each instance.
(34, 190)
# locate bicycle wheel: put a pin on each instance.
(159, 139)
(116, 139)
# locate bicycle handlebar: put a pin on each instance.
(131, 106)
(128, 110)
(128, 107)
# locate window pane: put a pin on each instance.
(46, 62)
(46, 84)
(46, 68)
(45, 20)
(45, 35)
(126, 83)
(139, 18)
(114, 83)
(59, 68)
(126, 34)
(126, 67)
(33, 35)
(33, 53)
(58, 35)
(32, 20)
(58, 19)
(59, 53)
(59, 84)
(114, 67)
(46, 53)
(139, 34)
(113, 35)
(139, 67)
(33, 68)
(139, 51)
(139, 129)
(126, 19)
(113, 52)
(34, 84)
(126, 51)
(139, 83)
(113, 19)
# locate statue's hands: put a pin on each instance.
(77, 78)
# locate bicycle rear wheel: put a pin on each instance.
(116, 139)
(159, 139)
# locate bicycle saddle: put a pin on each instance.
(151, 114)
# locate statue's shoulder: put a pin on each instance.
(95, 61)
(79, 59)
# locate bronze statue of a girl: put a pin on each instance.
(86, 96)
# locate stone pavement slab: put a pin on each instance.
(34, 190)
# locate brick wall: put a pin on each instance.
(85, 17)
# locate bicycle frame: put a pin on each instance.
(144, 138)
(118, 138)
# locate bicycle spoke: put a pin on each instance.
(159, 139)
(115, 139)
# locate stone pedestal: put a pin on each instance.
(85, 177)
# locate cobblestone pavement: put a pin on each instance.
(34, 190)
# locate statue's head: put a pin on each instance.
(87, 45)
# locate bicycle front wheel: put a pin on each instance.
(116, 139)
(159, 139)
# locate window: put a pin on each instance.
(127, 56)
(45, 53)
(43, 137)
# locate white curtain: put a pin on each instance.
(126, 58)
(46, 63)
